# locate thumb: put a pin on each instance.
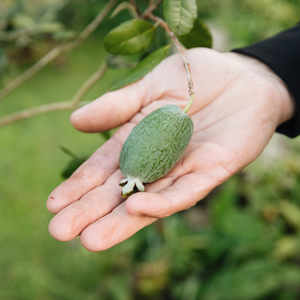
(113, 108)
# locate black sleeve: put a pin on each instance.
(282, 54)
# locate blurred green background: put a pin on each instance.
(242, 242)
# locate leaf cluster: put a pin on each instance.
(27, 24)
(135, 36)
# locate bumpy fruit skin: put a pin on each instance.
(154, 146)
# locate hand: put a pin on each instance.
(239, 103)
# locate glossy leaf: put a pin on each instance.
(180, 15)
(142, 68)
(199, 36)
(131, 37)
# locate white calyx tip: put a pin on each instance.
(128, 186)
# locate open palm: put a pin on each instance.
(239, 103)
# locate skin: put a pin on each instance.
(239, 103)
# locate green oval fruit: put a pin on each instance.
(154, 146)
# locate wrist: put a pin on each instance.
(284, 102)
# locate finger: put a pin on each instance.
(183, 194)
(110, 110)
(205, 168)
(89, 175)
(113, 229)
(115, 108)
(70, 222)
(167, 80)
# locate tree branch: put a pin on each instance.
(182, 55)
(71, 104)
(27, 113)
(88, 84)
(65, 46)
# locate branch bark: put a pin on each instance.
(65, 46)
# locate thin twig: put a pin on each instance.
(27, 113)
(88, 84)
(65, 46)
(136, 7)
(72, 104)
(92, 26)
(182, 55)
(151, 7)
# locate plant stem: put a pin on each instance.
(186, 109)
(87, 85)
(133, 3)
(74, 103)
(151, 7)
(27, 113)
(63, 47)
(69, 152)
(182, 55)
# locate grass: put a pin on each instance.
(30, 167)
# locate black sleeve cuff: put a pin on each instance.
(282, 54)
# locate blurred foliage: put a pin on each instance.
(30, 28)
(250, 20)
(240, 243)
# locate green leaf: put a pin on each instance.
(199, 36)
(118, 62)
(250, 280)
(106, 135)
(68, 152)
(142, 68)
(290, 212)
(180, 15)
(131, 37)
(73, 165)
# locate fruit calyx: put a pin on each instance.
(128, 186)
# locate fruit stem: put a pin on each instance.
(181, 51)
(192, 97)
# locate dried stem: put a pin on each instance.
(65, 46)
(182, 55)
